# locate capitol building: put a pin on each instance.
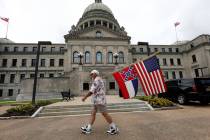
(96, 41)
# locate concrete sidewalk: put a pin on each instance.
(190, 123)
(110, 99)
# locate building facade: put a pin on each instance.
(97, 41)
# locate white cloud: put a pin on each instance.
(144, 20)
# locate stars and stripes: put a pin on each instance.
(4, 19)
(176, 24)
(150, 76)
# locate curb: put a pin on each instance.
(15, 117)
(168, 108)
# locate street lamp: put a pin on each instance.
(116, 55)
(80, 55)
(36, 68)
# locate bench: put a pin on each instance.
(66, 95)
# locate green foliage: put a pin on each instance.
(27, 109)
(21, 110)
(155, 101)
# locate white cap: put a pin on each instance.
(94, 71)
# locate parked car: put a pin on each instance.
(184, 90)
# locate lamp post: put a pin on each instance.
(116, 55)
(36, 68)
(80, 55)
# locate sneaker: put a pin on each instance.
(113, 131)
(85, 130)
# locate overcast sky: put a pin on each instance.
(144, 20)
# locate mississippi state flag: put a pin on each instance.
(127, 81)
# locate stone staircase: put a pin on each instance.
(77, 110)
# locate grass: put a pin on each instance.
(14, 103)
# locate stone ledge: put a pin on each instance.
(168, 108)
(15, 117)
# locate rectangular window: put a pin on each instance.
(179, 62)
(2, 78)
(170, 50)
(33, 62)
(32, 75)
(163, 50)
(180, 74)
(85, 86)
(51, 75)
(14, 62)
(41, 75)
(155, 49)
(22, 76)
(15, 49)
(34, 49)
(194, 58)
(172, 62)
(52, 49)
(166, 74)
(141, 50)
(173, 75)
(42, 63)
(4, 63)
(6, 49)
(43, 49)
(60, 62)
(61, 49)
(177, 50)
(111, 85)
(1, 92)
(12, 78)
(164, 62)
(24, 62)
(25, 49)
(52, 62)
(10, 92)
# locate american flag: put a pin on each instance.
(176, 24)
(4, 19)
(150, 76)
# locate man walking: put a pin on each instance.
(97, 91)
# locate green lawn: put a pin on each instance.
(13, 102)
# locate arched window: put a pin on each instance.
(110, 57)
(75, 57)
(98, 34)
(121, 57)
(87, 57)
(99, 57)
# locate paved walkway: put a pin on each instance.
(190, 123)
(110, 99)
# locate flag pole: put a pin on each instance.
(176, 35)
(7, 29)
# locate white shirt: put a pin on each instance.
(98, 90)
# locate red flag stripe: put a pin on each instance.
(144, 77)
(144, 80)
(162, 81)
(161, 85)
(148, 78)
(156, 78)
(155, 83)
(161, 73)
(141, 80)
(121, 84)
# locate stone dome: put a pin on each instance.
(98, 5)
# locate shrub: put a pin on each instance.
(21, 110)
(155, 101)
